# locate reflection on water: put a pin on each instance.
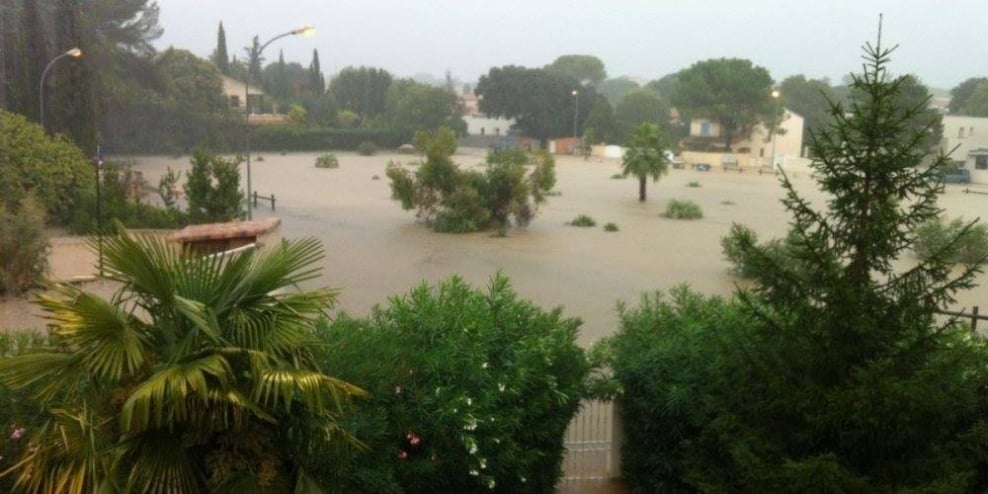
(376, 250)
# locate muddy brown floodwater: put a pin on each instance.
(375, 250)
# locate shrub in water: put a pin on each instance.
(471, 391)
(327, 160)
(583, 221)
(367, 148)
(693, 183)
(683, 210)
(937, 237)
(610, 227)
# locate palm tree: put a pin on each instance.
(645, 156)
(196, 376)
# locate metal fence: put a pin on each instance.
(593, 450)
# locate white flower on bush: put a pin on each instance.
(471, 423)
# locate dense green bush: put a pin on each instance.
(212, 188)
(453, 200)
(674, 357)
(957, 241)
(367, 148)
(583, 220)
(682, 210)
(51, 168)
(327, 160)
(611, 227)
(471, 391)
(23, 247)
(296, 138)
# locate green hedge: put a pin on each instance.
(294, 138)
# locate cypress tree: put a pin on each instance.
(220, 57)
(318, 82)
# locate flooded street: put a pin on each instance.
(376, 250)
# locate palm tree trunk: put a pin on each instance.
(641, 188)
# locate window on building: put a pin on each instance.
(704, 128)
(234, 101)
(981, 162)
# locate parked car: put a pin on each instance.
(957, 176)
(701, 167)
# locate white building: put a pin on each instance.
(966, 139)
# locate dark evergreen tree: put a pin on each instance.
(73, 109)
(254, 61)
(34, 55)
(318, 82)
(220, 57)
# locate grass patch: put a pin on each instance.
(583, 221)
(683, 210)
(611, 227)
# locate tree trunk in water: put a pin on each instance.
(641, 189)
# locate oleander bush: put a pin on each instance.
(471, 391)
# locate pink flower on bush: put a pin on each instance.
(413, 439)
(17, 433)
(402, 454)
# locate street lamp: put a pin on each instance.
(74, 53)
(576, 112)
(304, 31)
(775, 96)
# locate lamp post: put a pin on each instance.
(304, 31)
(576, 113)
(775, 96)
(74, 53)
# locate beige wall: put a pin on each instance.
(788, 142)
(964, 133)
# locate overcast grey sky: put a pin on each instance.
(941, 41)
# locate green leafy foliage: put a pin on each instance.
(23, 247)
(198, 374)
(957, 241)
(471, 390)
(611, 227)
(450, 199)
(583, 221)
(50, 168)
(682, 210)
(212, 188)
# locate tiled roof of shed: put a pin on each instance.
(219, 231)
